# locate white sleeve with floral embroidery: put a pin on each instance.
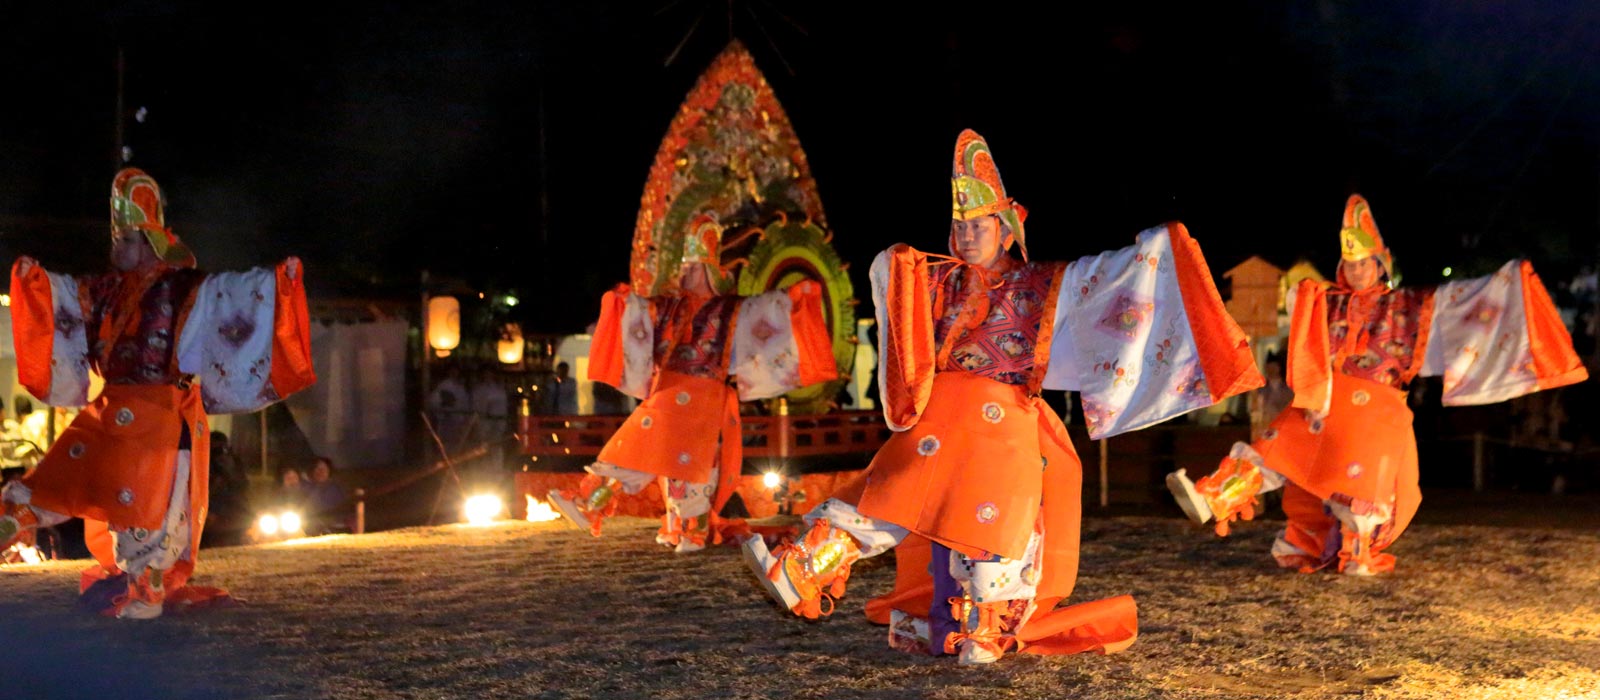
(1122, 338)
(765, 358)
(227, 340)
(69, 348)
(638, 347)
(1479, 340)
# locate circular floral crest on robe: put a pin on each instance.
(1030, 575)
(987, 512)
(993, 413)
(927, 446)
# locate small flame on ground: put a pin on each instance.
(28, 553)
(539, 511)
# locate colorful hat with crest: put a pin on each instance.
(976, 190)
(704, 245)
(1359, 238)
(136, 203)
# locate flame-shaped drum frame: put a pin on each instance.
(730, 155)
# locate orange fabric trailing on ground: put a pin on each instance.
(1105, 626)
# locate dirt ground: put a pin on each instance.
(521, 610)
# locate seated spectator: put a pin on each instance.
(326, 502)
(292, 490)
(228, 488)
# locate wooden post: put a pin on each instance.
(264, 471)
(361, 511)
(427, 357)
(1477, 462)
(783, 428)
(1105, 484)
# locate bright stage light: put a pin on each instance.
(483, 509)
(771, 480)
(268, 524)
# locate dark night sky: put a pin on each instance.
(375, 141)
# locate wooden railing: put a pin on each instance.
(841, 432)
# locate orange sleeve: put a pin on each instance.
(1419, 353)
(1224, 349)
(1309, 374)
(33, 327)
(605, 349)
(811, 334)
(291, 334)
(1555, 363)
(908, 354)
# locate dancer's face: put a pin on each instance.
(1361, 274)
(695, 281)
(979, 241)
(130, 250)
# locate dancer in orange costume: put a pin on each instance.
(1344, 451)
(173, 344)
(691, 358)
(980, 487)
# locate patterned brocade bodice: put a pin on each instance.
(133, 323)
(692, 334)
(1379, 334)
(1001, 345)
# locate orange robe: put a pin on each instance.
(692, 360)
(246, 337)
(979, 462)
(1351, 354)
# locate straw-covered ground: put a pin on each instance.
(540, 611)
